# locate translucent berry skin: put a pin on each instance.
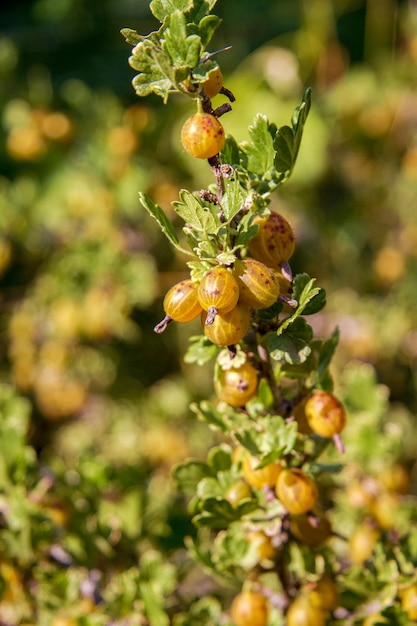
(304, 610)
(296, 490)
(228, 328)
(328, 593)
(214, 83)
(237, 492)
(250, 608)
(260, 477)
(258, 284)
(409, 602)
(181, 301)
(218, 288)
(202, 135)
(311, 533)
(325, 414)
(236, 386)
(274, 241)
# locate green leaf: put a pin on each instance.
(194, 214)
(230, 152)
(131, 36)
(292, 343)
(232, 199)
(157, 213)
(205, 611)
(280, 438)
(288, 139)
(184, 50)
(220, 458)
(208, 413)
(317, 301)
(219, 513)
(188, 475)
(246, 230)
(206, 28)
(201, 350)
(288, 348)
(153, 608)
(260, 150)
(327, 351)
(162, 9)
(305, 297)
(199, 9)
(284, 146)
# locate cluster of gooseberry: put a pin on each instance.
(303, 521)
(226, 295)
(227, 298)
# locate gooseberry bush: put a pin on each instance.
(267, 503)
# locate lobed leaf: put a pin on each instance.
(188, 475)
(195, 214)
(158, 214)
(288, 139)
(327, 351)
(260, 151)
(163, 8)
(184, 50)
(232, 199)
(316, 301)
(219, 513)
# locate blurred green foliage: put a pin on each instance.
(93, 406)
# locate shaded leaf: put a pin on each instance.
(327, 351)
(316, 302)
(187, 475)
(219, 513)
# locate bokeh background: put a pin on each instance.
(94, 405)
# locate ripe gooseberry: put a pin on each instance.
(296, 490)
(228, 328)
(328, 593)
(305, 610)
(325, 414)
(362, 542)
(262, 544)
(214, 83)
(202, 135)
(181, 304)
(240, 490)
(409, 602)
(218, 292)
(262, 476)
(274, 242)
(250, 608)
(258, 284)
(237, 385)
(311, 529)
